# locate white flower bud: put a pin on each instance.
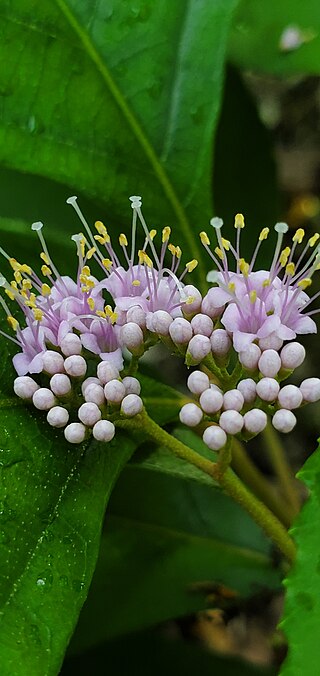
(220, 342)
(43, 399)
(272, 342)
(103, 430)
(310, 389)
(233, 400)
(159, 322)
(75, 433)
(107, 372)
(131, 405)
(208, 308)
(71, 344)
(290, 397)
(25, 387)
(247, 387)
(60, 384)
(198, 382)
(53, 362)
(292, 355)
(269, 363)
(194, 306)
(191, 415)
(249, 358)
(132, 385)
(75, 366)
(211, 400)
(89, 381)
(114, 391)
(89, 413)
(231, 422)
(214, 437)
(180, 331)
(137, 315)
(267, 389)
(202, 324)
(131, 336)
(255, 421)
(58, 416)
(94, 393)
(198, 348)
(284, 420)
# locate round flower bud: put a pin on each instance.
(25, 387)
(194, 300)
(89, 414)
(310, 389)
(75, 433)
(249, 358)
(214, 437)
(114, 391)
(53, 362)
(198, 382)
(247, 387)
(94, 393)
(292, 355)
(75, 366)
(131, 336)
(231, 422)
(198, 348)
(132, 385)
(208, 307)
(284, 420)
(89, 381)
(71, 344)
(107, 372)
(180, 331)
(159, 322)
(255, 421)
(269, 363)
(43, 399)
(103, 430)
(202, 324)
(137, 315)
(233, 400)
(60, 384)
(267, 389)
(272, 342)
(211, 400)
(220, 342)
(290, 397)
(131, 405)
(190, 415)
(58, 416)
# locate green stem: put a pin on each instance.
(231, 484)
(281, 468)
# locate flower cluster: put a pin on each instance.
(241, 334)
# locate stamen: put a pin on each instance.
(204, 238)
(166, 232)
(304, 283)
(191, 265)
(37, 227)
(253, 296)
(136, 204)
(74, 204)
(281, 229)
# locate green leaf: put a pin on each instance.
(302, 607)
(256, 32)
(171, 534)
(109, 101)
(162, 402)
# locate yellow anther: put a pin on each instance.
(266, 282)
(91, 303)
(264, 234)
(239, 221)
(105, 239)
(100, 227)
(13, 323)
(204, 238)
(85, 289)
(191, 265)
(10, 294)
(24, 294)
(148, 261)
(219, 253)
(290, 269)
(45, 258)
(253, 296)
(136, 282)
(45, 290)
(14, 264)
(144, 259)
(83, 246)
(83, 279)
(100, 313)
(225, 243)
(284, 256)
(298, 235)
(152, 234)
(86, 271)
(90, 283)
(25, 268)
(313, 240)
(26, 284)
(232, 287)
(14, 284)
(107, 263)
(304, 283)
(178, 252)
(38, 314)
(166, 232)
(46, 271)
(244, 267)
(18, 276)
(190, 300)
(123, 240)
(31, 300)
(91, 252)
(172, 249)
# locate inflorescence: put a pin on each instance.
(241, 335)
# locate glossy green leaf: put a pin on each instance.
(108, 100)
(302, 607)
(162, 402)
(256, 32)
(170, 529)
